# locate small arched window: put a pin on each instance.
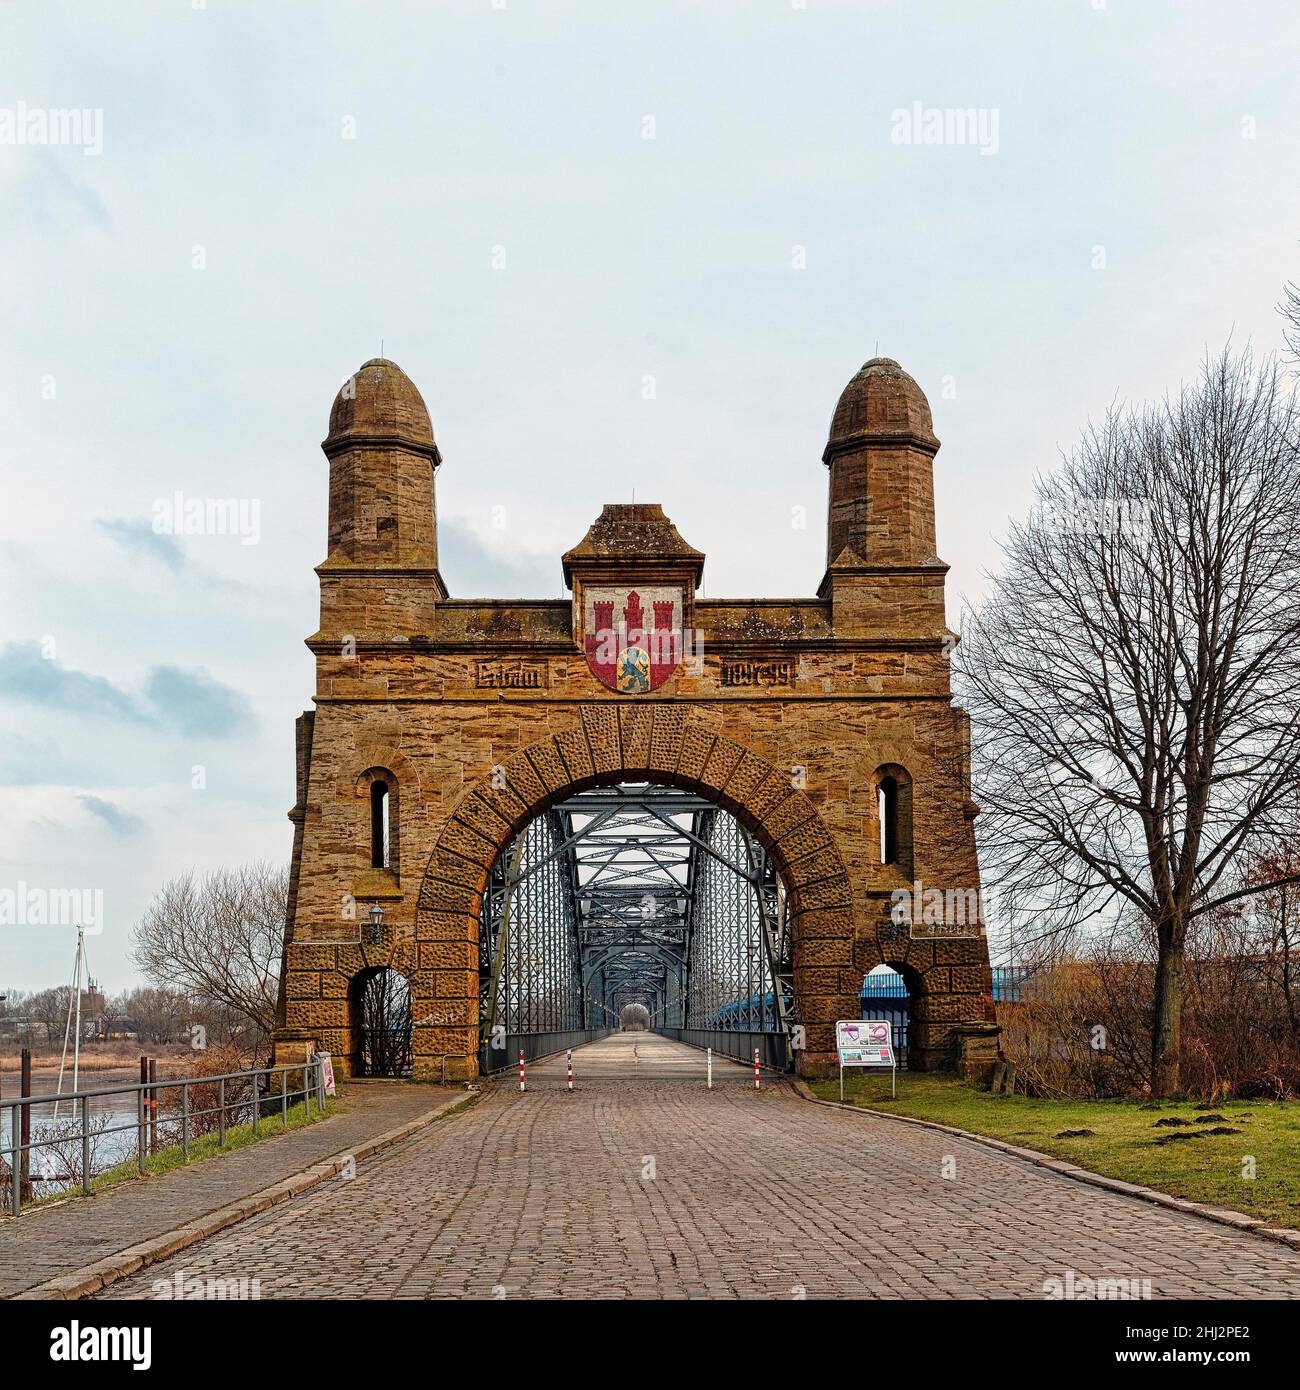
(894, 816)
(888, 809)
(379, 837)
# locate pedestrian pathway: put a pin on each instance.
(56, 1239)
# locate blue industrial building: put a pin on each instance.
(884, 995)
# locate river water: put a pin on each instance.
(113, 1122)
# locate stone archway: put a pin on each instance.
(380, 999)
(613, 743)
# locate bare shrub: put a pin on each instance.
(1084, 1024)
(56, 1150)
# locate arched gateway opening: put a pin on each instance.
(797, 765)
(380, 1023)
(643, 858)
(635, 907)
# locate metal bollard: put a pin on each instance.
(756, 1069)
(142, 1111)
(710, 1052)
(521, 1071)
(569, 1062)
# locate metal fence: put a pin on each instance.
(235, 1098)
(532, 1045)
(772, 1048)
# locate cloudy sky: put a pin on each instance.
(620, 248)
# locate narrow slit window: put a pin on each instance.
(379, 825)
(888, 808)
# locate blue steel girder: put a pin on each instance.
(634, 894)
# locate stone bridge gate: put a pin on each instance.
(445, 727)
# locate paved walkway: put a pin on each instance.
(49, 1241)
(644, 1184)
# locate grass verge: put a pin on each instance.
(206, 1146)
(1173, 1147)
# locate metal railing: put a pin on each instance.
(240, 1097)
(532, 1045)
(772, 1048)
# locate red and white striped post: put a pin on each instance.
(568, 1061)
(756, 1069)
(521, 1069)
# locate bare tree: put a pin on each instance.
(1289, 308)
(225, 1027)
(48, 1010)
(159, 1012)
(15, 1002)
(15, 1013)
(219, 939)
(1271, 922)
(114, 1014)
(1134, 676)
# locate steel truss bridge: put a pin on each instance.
(635, 895)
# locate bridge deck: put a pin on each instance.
(638, 1057)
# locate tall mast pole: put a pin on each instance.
(76, 985)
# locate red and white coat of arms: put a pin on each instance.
(633, 636)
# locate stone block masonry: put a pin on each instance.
(824, 724)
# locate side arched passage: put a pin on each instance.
(951, 1020)
(380, 1022)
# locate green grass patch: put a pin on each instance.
(1125, 1138)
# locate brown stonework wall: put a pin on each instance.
(786, 721)
(798, 768)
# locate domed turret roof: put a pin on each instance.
(881, 402)
(380, 403)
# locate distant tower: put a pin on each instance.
(382, 515)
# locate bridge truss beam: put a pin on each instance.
(634, 895)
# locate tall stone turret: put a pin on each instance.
(883, 575)
(380, 578)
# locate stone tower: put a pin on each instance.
(380, 578)
(883, 576)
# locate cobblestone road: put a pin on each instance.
(644, 1184)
